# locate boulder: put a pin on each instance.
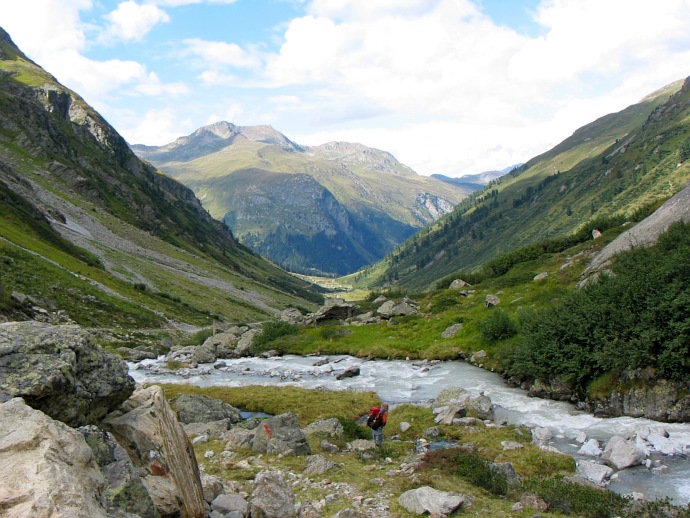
(245, 343)
(124, 489)
(334, 309)
(491, 301)
(238, 439)
(212, 487)
(451, 395)
(330, 427)
(449, 413)
(479, 356)
(508, 470)
(146, 426)
(391, 309)
(533, 501)
(281, 435)
(203, 409)
(204, 354)
(590, 448)
(620, 453)
(62, 372)
(451, 331)
(593, 472)
(223, 344)
(458, 284)
(429, 500)
(318, 465)
(350, 372)
(271, 497)
(225, 504)
(136, 355)
(541, 434)
(481, 407)
(46, 468)
(380, 299)
(540, 276)
(292, 316)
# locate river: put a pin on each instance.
(399, 381)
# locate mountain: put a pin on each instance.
(616, 168)
(328, 209)
(91, 234)
(475, 182)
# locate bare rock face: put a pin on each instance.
(203, 409)
(155, 441)
(391, 308)
(61, 371)
(46, 468)
(271, 497)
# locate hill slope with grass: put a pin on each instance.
(91, 234)
(619, 165)
(328, 209)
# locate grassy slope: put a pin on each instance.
(164, 257)
(615, 165)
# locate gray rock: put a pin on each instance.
(593, 472)
(478, 356)
(318, 465)
(62, 372)
(451, 331)
(620, 453)
(349, 513)
(230, 503)
(380, 299)
(361, 445)
(541, 434)
(481, 407)
(590, 448)
(458, 284)
(491, 301)
(391, 309)
(429, 500)
(541, 276)
(136, 355)
(212, 487)
(329, 447)
(508, 470)
(191, 408)
(204, 354)
(123, 488)
(405, 426)
(46, 467)
(532, 500)
(238, 439)
(211, 429)
(245, 342)
(223, 344)
(148, 429)
(281, 435)
(449, 413)
(350, 372)
(292, 316)
(511, 445)
(271, 497)
(334, 309)
(451, 395)
(330, 427)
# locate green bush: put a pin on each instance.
(577, 499)
(497, 326)
(270, 332)
(471, 467)
(639, 317)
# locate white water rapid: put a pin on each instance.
(397, 381)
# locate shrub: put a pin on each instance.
(471, 467)
(497, 326)
(571, 498)
(272, 331)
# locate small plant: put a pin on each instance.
(173, 365)
(497, 326)
(471, 467)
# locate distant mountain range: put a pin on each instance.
(325, 210)
(91, 234)
(614, 167)
(475, 182)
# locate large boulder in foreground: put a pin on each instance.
(148, 429)
(61, 371)
(426, 499)
(46, 467)
(271, 497)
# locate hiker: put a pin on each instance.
(378, 417)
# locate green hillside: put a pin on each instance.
(91, 234)
(608, 170)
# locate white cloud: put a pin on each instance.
(218, 54)
(131, 21)
(156, 127)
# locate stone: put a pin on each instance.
(450, 413)
(212, 429)
(191, 408)
(271, 497)
(481, 407)
(292, 316)
(212, 487)
(281, 435)
(479, 356)
(593, 472)
(541, 276)
(517, 507)
(146, 426)
(541, 434)
(350, 372)
(511, 445)
(245, 343)
(223, 344)
(620, 453)
(458, 284)
(405, 426)
(135, 355)
(581, 437)
(451, 395)
(361, 445)
(204, 354)
(508, 470)
(379, 300)
(590, 448)
(46, 468)
(239, 438)
(334, 309)
(426, 499)
(123, 488)
(307, 510)
(491, 301)
(318, 465)
(62, 372)
(349, 512)
(330, 427)
(329, 447)
(533, 501)
(451, 331)
(390, 309)
(225, 504)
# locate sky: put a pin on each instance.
(448, 86)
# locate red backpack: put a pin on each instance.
(373, 420)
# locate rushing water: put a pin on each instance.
(398, 382)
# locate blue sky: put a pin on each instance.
(448, 86)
